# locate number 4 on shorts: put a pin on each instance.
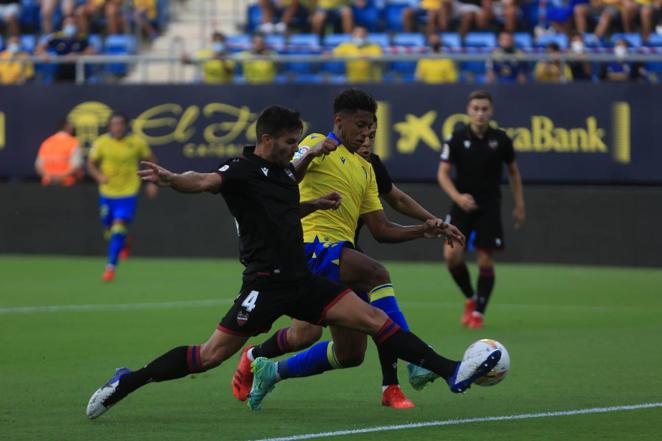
(249, 302)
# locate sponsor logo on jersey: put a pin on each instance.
(300, 152)
(493, 143)
(225, 167)
(265, 170)
(467, 143)
(343, 159)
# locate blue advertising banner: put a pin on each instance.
(575, 133)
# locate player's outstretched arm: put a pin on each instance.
(384, 230)
(329, 202)
(405, 204)
(189, 182)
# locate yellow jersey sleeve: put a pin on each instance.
(96, 152)
(306, 144)
(144, 151)
(371, 201)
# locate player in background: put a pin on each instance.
(478, 152)
(113, 163)
(261, 192)
(330, 163)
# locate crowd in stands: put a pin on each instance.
(498, 30)
(66, 29)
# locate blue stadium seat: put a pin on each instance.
(633, 39)
(655, 40)
(119, 44)
(451, 39)
(311, 41)
(545, 39)
(333, 40)
(28, 42)
(368, 16)
(383, 40)
(238, 42)
(480, 39)
(523, 40)
(393, 15)
(254, 17)
(409, 40)
(591, 41)
(96, 41)
(275, 41)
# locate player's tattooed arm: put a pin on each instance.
(329, 202)
(189, 182)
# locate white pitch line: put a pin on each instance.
(524, 416)
(113, 306)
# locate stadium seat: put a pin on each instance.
(382, 40)
(119, 44)
(253, 17)
(238, 42)
(275, 41)
(368, 16)
(655, 40)
(310, 41)
(409, 40)
(333, 40)
(480, 40)
(591, 41)
(96, 41)
(28, 42)
(451, 39)
(392, 13)
(545, 39)
(633, 39)
(523, 40)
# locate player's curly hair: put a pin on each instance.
(276, 120)
(351, 100)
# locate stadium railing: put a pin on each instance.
(88, 65)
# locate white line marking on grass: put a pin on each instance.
(524, 416)
(113, 306)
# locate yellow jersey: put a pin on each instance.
(360, 71)
(119, 160)
(12, 72)
(258, 71)
(216, 71)
(346, 173)
(436, 71)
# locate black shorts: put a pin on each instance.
(262, 300)
(485, 221)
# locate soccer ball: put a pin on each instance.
(480, 350)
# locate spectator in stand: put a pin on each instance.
(68, 43)
(551, 70)
(220, 68)
(19, 69)
(562, 13)
(622, 70)
(60, 160)
(646, 9)
(436, 70)
(610, 10)
(480, 13)
(506, 71)
(282, 10)
(10, 12)
(581, 69)
(331, 10)
(93, 10)
(361, 70)
(145, 13)
(258, 71)
(437, 14)
(48, 9)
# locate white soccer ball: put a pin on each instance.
(481, 349)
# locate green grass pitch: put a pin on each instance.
(579, 337)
